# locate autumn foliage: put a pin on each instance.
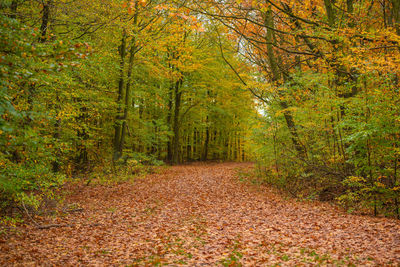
(103, 91)
(327, 82)
(96, 86)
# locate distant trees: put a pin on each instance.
(88, 83)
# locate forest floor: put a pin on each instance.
(200, 215)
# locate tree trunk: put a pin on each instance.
(127, 98)
(176, 144)
(118, 118)
(169, 121)
(82, 158)
(396, 15)
(206, 142)
(277, 76)
(13, 9)
(127, 104)
(56, 135)
(45, 20)
(330, 11)
(120, 133)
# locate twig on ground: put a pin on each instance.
(48, 226)
(29, 216)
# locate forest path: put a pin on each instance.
(202, 215)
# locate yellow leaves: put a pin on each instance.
(356, 179)
(283, 111)
(379, 184)
(161, 7)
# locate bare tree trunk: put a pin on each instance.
(118, 118)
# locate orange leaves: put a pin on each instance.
(178, 15)
(161, 7)
(201, 215)
(142, 2)
(131, 5)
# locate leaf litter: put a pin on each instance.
(201, 215)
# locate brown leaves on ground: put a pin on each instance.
(201, 215)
